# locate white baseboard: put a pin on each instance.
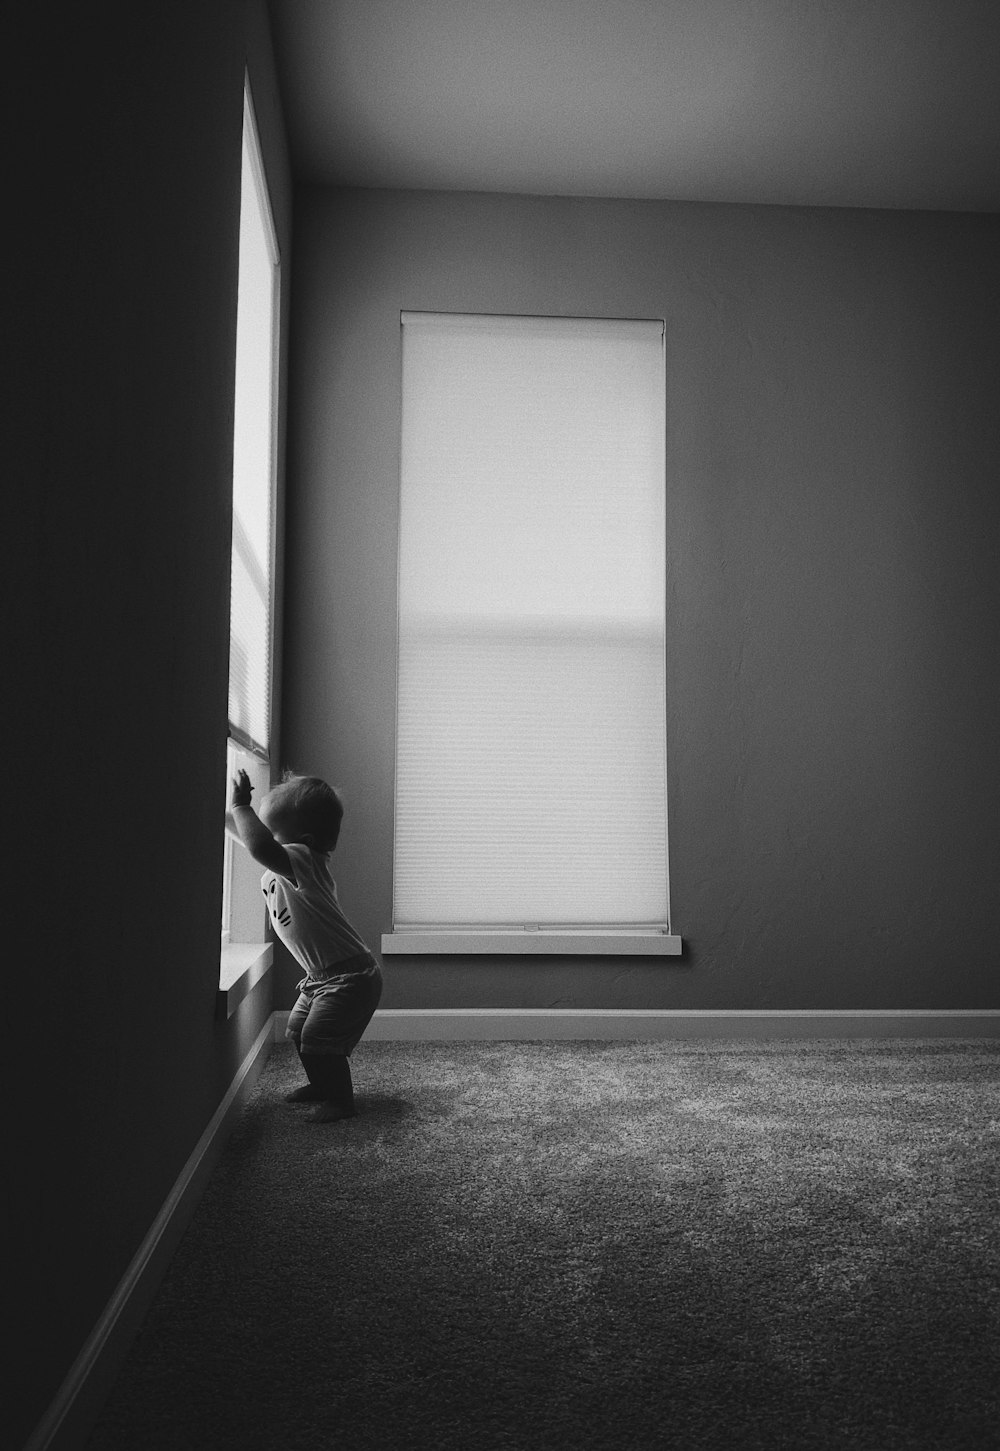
(66, 1424)
(436, 1024)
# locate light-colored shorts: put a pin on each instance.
(331, 1015)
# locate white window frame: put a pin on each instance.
(633, 939)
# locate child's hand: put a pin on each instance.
(241, 789)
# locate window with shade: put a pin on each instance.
(530, 797)
(254, 472)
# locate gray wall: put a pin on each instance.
(833, 532)
(119, 450)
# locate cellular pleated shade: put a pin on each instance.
(531, 745)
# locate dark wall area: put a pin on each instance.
(832, 546)
(126, 164)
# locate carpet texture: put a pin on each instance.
(592, 1245)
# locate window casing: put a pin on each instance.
(531, 744)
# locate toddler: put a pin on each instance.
(296, 829)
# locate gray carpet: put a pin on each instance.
(592, 1245)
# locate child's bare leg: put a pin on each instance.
(308, 1092)
(330, 1075)
(297, 1019)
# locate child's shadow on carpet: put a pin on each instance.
(383, 1106)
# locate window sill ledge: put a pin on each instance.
(582, 943)
(242, 966)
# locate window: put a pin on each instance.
(531, 753)
(253, 457)
(254, 472)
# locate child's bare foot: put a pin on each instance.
(328, 1113)
(308, 1093)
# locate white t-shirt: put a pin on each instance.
(307, 916)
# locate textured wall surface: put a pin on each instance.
(832, 533)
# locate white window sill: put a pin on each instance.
(533, 944)
(242, 966)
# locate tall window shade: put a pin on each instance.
(253, 456)
(531, 774)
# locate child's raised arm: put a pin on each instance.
(244, 823)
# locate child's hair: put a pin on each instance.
(318, 807)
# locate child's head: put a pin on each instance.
(303, 809)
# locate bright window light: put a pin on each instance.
(253, 457)
(254, 475)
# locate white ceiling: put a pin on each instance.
(860, 103)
